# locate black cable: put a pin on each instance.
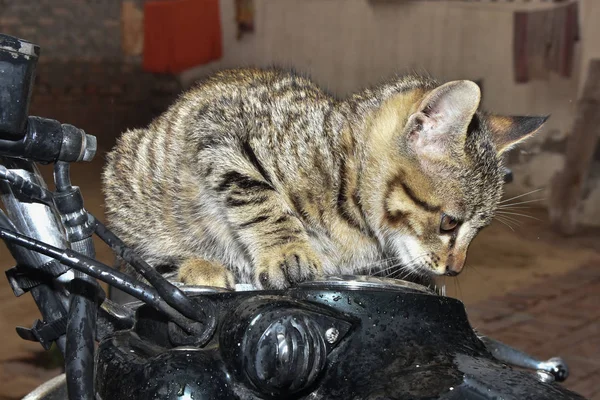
(83, 308)
(31, 190)
(81, 335)
(174, 296)
(61, 176)
(115, 278)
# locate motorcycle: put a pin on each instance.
(336, 337)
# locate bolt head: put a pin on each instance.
(331, 335)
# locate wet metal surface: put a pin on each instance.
(393, 344)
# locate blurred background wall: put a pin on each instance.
(91, 71)
(346, 45)
(110, 65)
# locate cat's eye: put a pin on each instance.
(448, 223)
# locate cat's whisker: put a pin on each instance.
(389, 272)
(375, 267)
(505, 223)
(516, 209)
(399, 267)
(397, 272)
(511, 220)
(521, 202)
(507, 217)
(459, 289)
(455, 288)
(377, 264)
(511, 207)
(521, 195)
(388, 261)
(392, 270)
(408, 270)
(408, 274)
(522, 215)
(441, 289)
(401, 272)
(511, 224)
(472, 268)
(456, 284)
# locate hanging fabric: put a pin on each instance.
(181, 34)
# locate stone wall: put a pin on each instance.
(66, 29)
(82, 76)
(103, 98)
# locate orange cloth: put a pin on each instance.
(180, 34)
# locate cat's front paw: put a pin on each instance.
(288, 264)
(200, 272)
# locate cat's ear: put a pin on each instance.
(509, 131)
(442, 117)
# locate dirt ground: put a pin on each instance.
(499, 260)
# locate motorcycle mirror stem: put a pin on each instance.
(34, 138)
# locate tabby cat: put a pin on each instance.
(258, 176)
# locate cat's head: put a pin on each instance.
(440, 175)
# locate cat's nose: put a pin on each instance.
(454, 265)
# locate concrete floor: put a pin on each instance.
(500, 261)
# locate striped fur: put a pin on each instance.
(265, 175)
